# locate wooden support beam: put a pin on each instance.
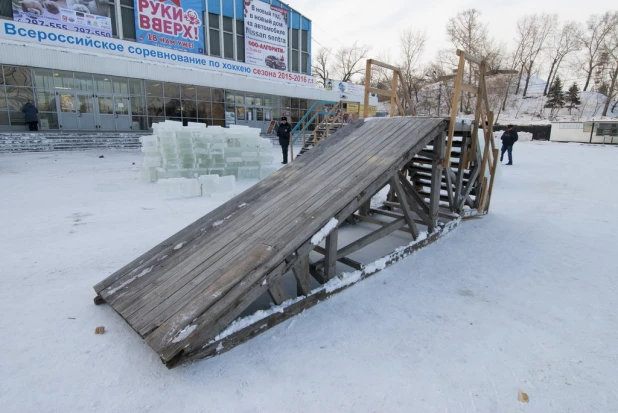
(405, 207)
(460, 173)
(367, 88)
(364, 208)
(469, 57)
(491, 179)
(394, 95)
(396, 215)
(469, 187)
(378, 222)
(456, 96)
(449, 188)
(301, 273)
(344, 260)
(436, 181)
(466, 87)
(477, 117)
(331, 254)
(277, 293)
(371, 237)
(422, 207)
(384, 65)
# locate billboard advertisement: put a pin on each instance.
(175, 24)
(345, 87)
(83, 16)
(266, 35)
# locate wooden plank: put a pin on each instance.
(449, 188)
(162, 317)
(382, 92)
(277, 293)
(378, 222)
(469, 186)
(385, 65)
(364, 209)
(394, 95)
(367, 88)
(456, 96)
(370, 238)
(330, 269)
(301, 273)
(417, 201)
(344, 260)
(225, 344)
(469, 57)
(460, 173)
(491, 179)
(405, 207)
(477, 113)
(436, 182)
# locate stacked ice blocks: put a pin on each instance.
(213, 157)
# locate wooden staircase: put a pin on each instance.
(331, 123)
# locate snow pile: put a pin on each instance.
(177, 154)
(321, 234)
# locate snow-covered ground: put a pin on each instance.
(523, 299)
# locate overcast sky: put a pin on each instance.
(378, 22)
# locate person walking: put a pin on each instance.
(283, 132)
(32, 117)
(509, 137)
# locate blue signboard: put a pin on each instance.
(175, 24)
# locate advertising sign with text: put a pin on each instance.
(266, 35)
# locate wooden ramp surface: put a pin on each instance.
(183, 292)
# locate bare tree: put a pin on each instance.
(348, 61)
(321, 66)
(610, 46)
(412, 45)
(563, 42)
(536, 29)
(592, 40)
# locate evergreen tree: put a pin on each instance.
(572, 97)
(555, 96)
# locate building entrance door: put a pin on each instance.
(76, 110)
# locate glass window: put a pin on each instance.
(46, 101)
(103, 84)
(136, 86)
(294, 39)
(155, 106)
(268, 101)
(187, 92)
(63, 80)
(240, 113)
(154, 120)
(121, 85)
(259, 114)
(250, 99)
(128, 22)
(48, 121)
(85, 104)
(219, 122)
(172, 107)
(257, 101)
(154, 88)
(295, 65)
(4, 118)
(204, 110)
(228, 45)
(17, 76)
(121, 105)
(3, 105)
(304, 67)
(229, 96)
(215, 46)
(83, 81)
(304, 46)
(43, 79)
(240, 98)
(106, 106)
(213, 20)
(228, 24)
(137, 105)
(286, 102)
(112, 16)
(240, 48)
(218, 111)
(303, 104)
(17, 118)
(217, 95)
(203, 93)
(171, 90)
(189, 108)
(67, 102)
(139, 123)
(295, 103)
(126, 2)
(17, 97)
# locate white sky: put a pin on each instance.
(378, 22)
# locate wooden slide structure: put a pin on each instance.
(183, 294)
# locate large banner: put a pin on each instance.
(266, 35)
(85, 43)
(345, 87)
(175, 24)
(83, 16)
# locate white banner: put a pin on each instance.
(52, 37)
(345, 87)
(266, 35)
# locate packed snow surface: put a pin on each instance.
(524, 299)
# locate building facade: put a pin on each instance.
(135, 68)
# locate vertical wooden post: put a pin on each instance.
(460, 171)
(477, 114)
(301, 273)
(364, 208)
(367, 87)
(405, 206)
(394, 99)
(456, 93)
(291, 149)
(436, 180)
(330, 260)
(491, 179)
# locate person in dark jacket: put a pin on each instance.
(32, 117)
(283, 132)
(509, 137)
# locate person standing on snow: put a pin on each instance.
(509, 137)
(283, 132)
(32, 117)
